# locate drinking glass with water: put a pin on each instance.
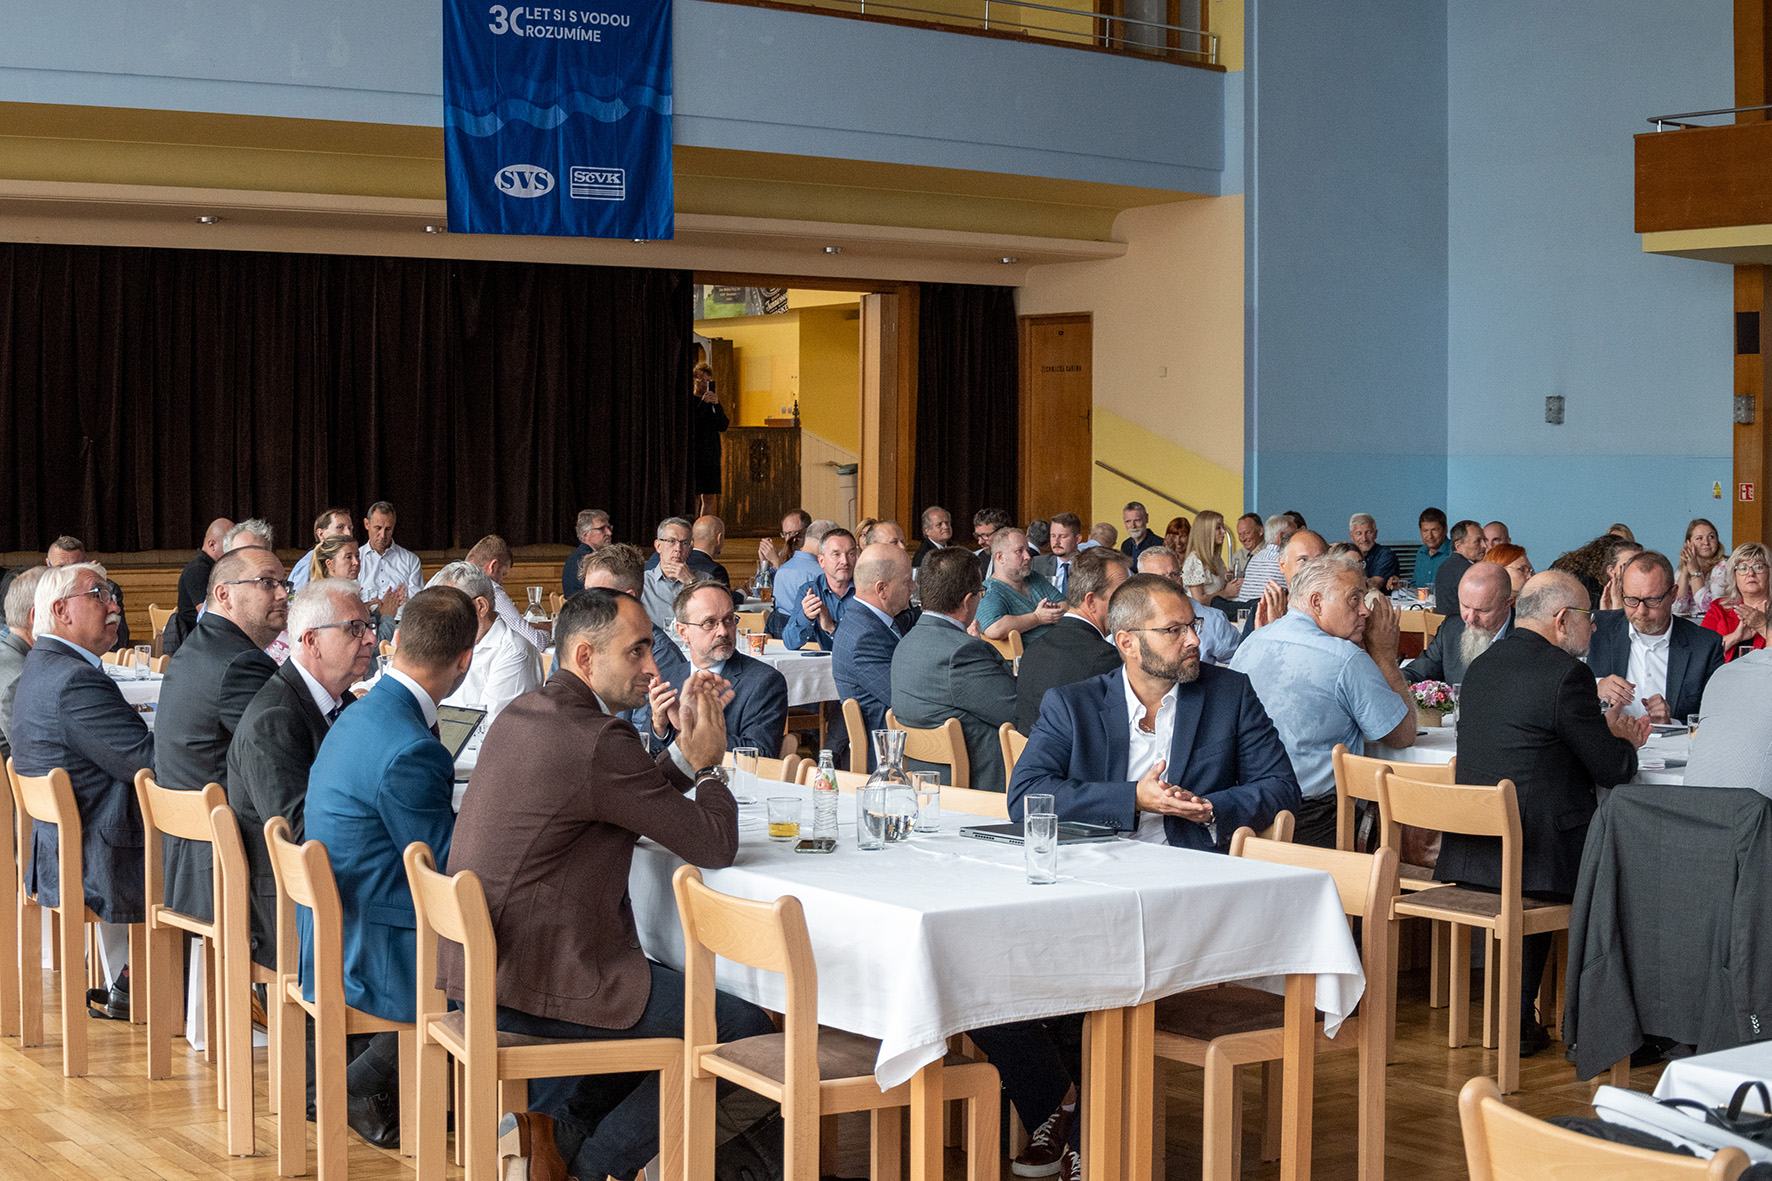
(1039, 838)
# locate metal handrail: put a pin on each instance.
(1662, 121)
(1208, 41)
(1131, 479)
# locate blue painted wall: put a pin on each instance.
(1550, 291)
(1345, 170)
(747, 78)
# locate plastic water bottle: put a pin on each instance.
(824, 797)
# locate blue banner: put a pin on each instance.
(558, 120)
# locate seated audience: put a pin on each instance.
(339, 556)
(621, 568)
(793, 532)
(68, 713)
(1733, 746)
(334, 522)
(332, 647)
(1511, 558)
(593, 530)
(1039, 533)
(1530, 713)
(1300, 548)
(666, 580)
(391, 573)
(938, 533)
(1382, 570)
(1264, 567)
(1297, 519)
(71, 551)
(15, 645)
(882, 533)
(1486, 599)
(707, 538)
(1739, 616)
(1218, 636)
(985, 523)
(1595, 564)
(1101, 533)
(493, 557)
(1495, 533)
(1015, 598)
(210, 681)
(1434, 549)
(861, 654)
(1056, 563)
(1138, 536)
(1176, 535)
(381, 781)
(796, 574)
(707, 629)
(1699, 580)
(561, 794)
(1203, 571)
(1077, 647)
(1327, 673)
(828, 595)
(193, 584)
(505, 665)
(1249, 543)
(939, 671)
(1467, 550)
(1647, 660)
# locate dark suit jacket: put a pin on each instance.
(209, 683)
(380, 782)
(570, 583)
(72, 715)
(1693, 654)
(861, 662)
(1446, 580)
(756, 716)
(1224, 748)
(274, 745)
(13, 651)
(1070, 651)
(193, 588)
(560, 796)
(940, 672)
(1530, 712)
(1440, 660)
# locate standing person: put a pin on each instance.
(1699, 579)
(707, 422)
(1740, 615)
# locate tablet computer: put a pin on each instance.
(1070, 832)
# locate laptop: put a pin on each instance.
(456, 724)
(1070, 832)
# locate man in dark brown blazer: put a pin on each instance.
(562, 791)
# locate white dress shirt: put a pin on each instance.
(324, 701)
(425, 704)
(1144, 751)
(1061, 574)
(1647, 669)
(513, 618)
(505, 667)
(381, 573)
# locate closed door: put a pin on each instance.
(1057, 395)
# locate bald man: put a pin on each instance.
(1299, 548)
(193, 581)
(861, 653)
(1485, 609)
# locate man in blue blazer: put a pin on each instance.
(861, 652)
(1166, 750)
(1646, 659)
(381, 781)
(757, 705)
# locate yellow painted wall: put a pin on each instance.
(766, 351)
(806, 297)
(1168, 356)
(812, 351)
(1225, 18)
(830, 373)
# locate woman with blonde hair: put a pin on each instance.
(339, 557)
(1700, 576)
(1203, 572)
(1739, 613)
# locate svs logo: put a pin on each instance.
(523, 180)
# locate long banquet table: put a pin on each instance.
(1662, 759)
(942, 933)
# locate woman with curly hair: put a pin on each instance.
(1598, 565)
(1739, 614)
(1701, 572)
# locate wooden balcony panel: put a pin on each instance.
(1703, 178)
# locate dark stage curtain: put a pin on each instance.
(968, 405)
(144, 392)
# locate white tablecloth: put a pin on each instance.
(942, 934)
(142, 692)
(1439, 744)
(1712, 1078)
(809, 676)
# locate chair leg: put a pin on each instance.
(1391, 986)
(1159, 1115)
(30, 972)
(1273, 1076)
(211, 1015)
(670, 1121)
(1507, 998)
(273, 1044)
(1439, 942)
(290, 1083)
(1219, 1139)
(1458, 1020)
(461, 1114)
(481, 1121)
(1620, 1074)
(409, 1093)
(138, 951)
(927, 1087)
(886, 1145)
(73, 984)
(433, 1099)
(1490, 1015)
(155, 978)
(513, 1095)
(236, 1006)
(331, 1134)
(698, 1126)
(1372, 1116)
(11, 983)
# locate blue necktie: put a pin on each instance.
(1064, 569)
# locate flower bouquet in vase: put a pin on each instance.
(1433, 701)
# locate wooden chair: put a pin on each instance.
(113, 657)
(158, 618)
(556, 600)
(858, 735)
(1009, 648)
(1281, 831)
(993, 804)
(12, 897)
(1501, 1144)
(304, 878)
(1430, 624)
(50, 799)
(1013, 743)
(495, 1067)
(752, 621)
(946, 744)
(1221, 1029)
(811, 1071)
(786, 770)
(1474, 811)
(387, 648)
(850, 781)
(239, 973)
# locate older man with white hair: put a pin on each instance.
(249, 532)
(15, 645)
(1218, 636)
(70, 551)
(661, 583)
(505, 665)
(1380, 561)
(1327, 673)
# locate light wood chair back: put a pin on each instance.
(849, 781)
(752, 621)
(1009, 648)
(1501, 1144)
(239, 974)
(159, 617)
(1430, 623)
(786, 770)
(11, 908)
(1013, 743)
(387, 648)
(992, 804)
(944, 744)
(112, 657)
(556, 600)
(1356, 778)
(858, 735)
(1281, 830)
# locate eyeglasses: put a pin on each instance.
(1589, 613)
(355, 628)
(270, 584)
(1173, 631)
(708, 625)
(1636, 601)
(1756, 568)
(674, 541)
(102, 592)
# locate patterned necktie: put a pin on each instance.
(332, 714)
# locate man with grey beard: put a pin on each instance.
(1486, 604)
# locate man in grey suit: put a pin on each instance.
(939, 671)
(1485, 612)
(15, 645)
(1059, 560)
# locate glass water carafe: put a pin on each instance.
(896, 796)
(536, 613)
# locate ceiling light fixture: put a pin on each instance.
(1008, 258)
(436, 229)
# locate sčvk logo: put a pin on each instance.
(523, 180)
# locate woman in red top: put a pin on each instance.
(1739, 616)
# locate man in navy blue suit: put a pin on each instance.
(1165, 749)
(381, 781)
(861, 653)
(757, 707)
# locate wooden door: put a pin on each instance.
(1057, 395)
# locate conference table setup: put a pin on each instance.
(1661, 760)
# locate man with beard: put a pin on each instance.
(1530, 712)
(1486, 599)
(1327, 673)
(757, 714)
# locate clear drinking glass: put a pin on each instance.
(870, 818)
(535, 613)
(1039, 805)
(144, 654)
(928, 788)
(1040, 843)
(784, 818)
(745, 759)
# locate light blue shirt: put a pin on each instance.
(94, 661)
(1319, 690)
(1218, 635)
(791, 580)
(304, 566)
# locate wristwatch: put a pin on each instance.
(714, 772)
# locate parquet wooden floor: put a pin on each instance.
(114, 1123)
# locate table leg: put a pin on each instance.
(1141, 1094)
(1103, 1067)
(927, 1148)
(1296, 1087)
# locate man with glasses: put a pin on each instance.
(594, 532)
(71, 551)
(1648, 661)
(665, 581)
(1327, 673)
(705, 626)
(1530, 712)
(210, 681)
(69, 714)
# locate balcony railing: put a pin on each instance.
(1129, 27)
(1663, 122)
